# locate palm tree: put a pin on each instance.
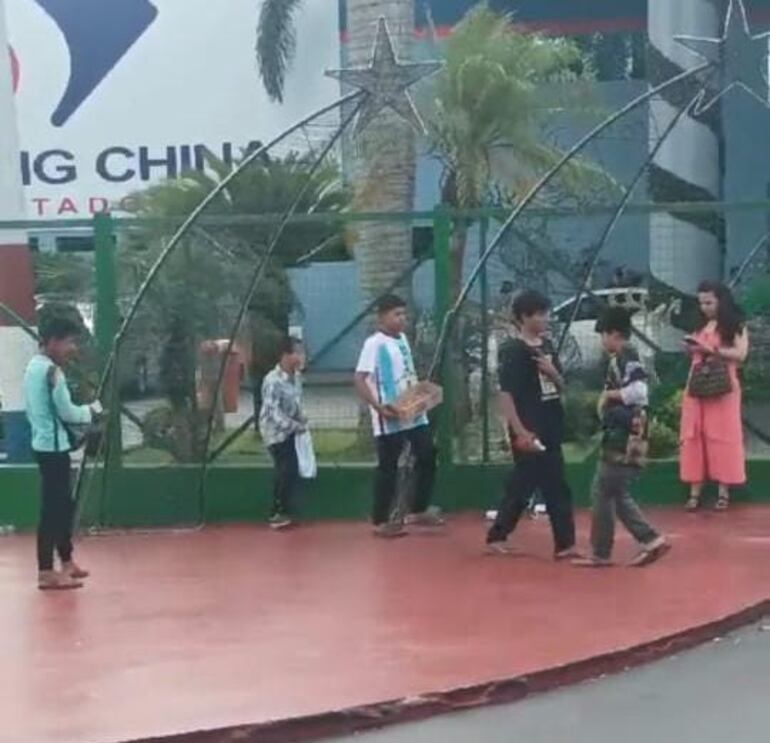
(489, 122)
(383, 170)
(488, 125)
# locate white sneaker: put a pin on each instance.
(390, 530)
(431, 517)
(499, 548)
(279, 521)
(651, 553)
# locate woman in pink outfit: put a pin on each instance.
(711, 432)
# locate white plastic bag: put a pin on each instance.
(303, 443)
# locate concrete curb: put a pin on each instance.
(396, 711)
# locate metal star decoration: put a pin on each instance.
(386, 81)
(735, 54)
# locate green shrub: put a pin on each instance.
(756, 296)
(755, 380)
(581, 421)
(177, 430)
(668, 411)
(664, 440)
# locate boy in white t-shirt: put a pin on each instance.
(385, 370)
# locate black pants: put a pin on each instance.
(544, 472)
(54, 531)
(389, 450)
(286, 477)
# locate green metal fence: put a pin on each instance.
(158, 390)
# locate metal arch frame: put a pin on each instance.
(620, 210)
(188, 223)
(761, 243)
(30, 331)
(328, 346)
(257, 277)
(19, 320)
(176, 239)
(544, 180)
(259, 273)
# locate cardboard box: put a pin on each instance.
(419, 399)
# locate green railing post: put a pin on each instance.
(105, 328)
(442, 231)
(106, 325)
(484, 402)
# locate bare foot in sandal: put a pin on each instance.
(723, 500)
(693, 502)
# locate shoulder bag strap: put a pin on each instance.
(50, 378)
(57, 419)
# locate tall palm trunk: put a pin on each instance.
(383, 172)
(383, 156)
(459, 367)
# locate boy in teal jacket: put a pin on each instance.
(50, 411)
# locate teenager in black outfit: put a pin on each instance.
(531, 386)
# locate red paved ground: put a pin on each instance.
(238, 625)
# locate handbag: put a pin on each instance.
(710, 378)
(303, 445)
(87, 437)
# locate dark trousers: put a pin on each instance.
(612, 496)
(286, 477)
(544, 472)
(54, 531)
(389, 449)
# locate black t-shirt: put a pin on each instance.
(537, 398)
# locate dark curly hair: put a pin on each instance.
(730, 317)
(529, 302)
(58, 328)
(615, 320)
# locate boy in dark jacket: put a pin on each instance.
(623, 410)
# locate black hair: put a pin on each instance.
(57, 328)
(528, 303)
(389, 302)
(288, 345)
(615, 320)
(730, 317)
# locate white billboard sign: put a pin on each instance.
(112, 96)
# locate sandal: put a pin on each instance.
(592, 562)
(723, 502)
(651, 553)
(693, 504)
(571, 553)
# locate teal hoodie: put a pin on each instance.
(37, 400)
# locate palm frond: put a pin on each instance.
(493, 102)
(276, 44)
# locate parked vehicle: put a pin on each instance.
(654, 322)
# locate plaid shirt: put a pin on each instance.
(281, 414)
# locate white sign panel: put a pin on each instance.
(112, 95)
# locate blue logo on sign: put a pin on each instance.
(98, 35)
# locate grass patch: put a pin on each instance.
(332, 446)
